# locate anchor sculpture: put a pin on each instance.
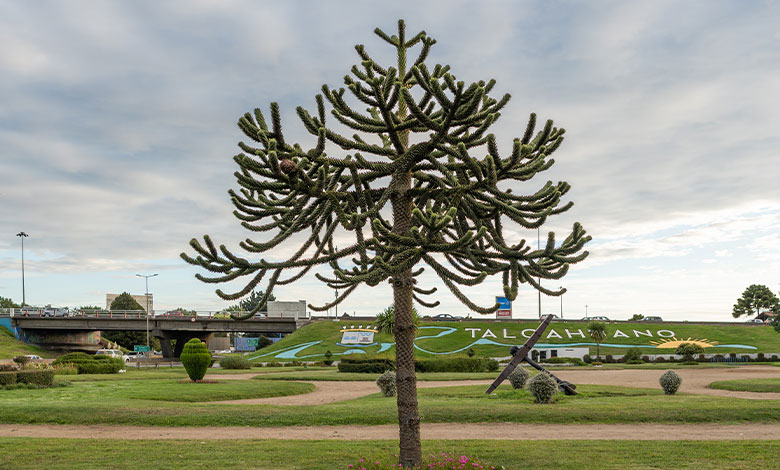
(521, 354)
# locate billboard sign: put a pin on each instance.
(504, 307)
(357, 337)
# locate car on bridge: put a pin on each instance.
(596, 318)
(651, 319)
(446, 317)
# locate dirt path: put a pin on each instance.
(694, 381)
(497, 431)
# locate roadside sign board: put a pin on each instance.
(138, 348)
(504, 307)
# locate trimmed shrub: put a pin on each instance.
(235, 362)
(195, 357)
(687, 351)
(543, 388)
(8, 367)
(41, 378)
(366, 365)
(386, 383)
(519, 377)
(633, 356)
(274, 364)
(471, 353)
(72, 357)
(88, 364)
(65, 369)
(587, 359)
(21, 360)
(7, 378)
(670, 382)
(328, 358)
(293, 364)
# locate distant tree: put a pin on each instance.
(90, 307)
(8, 303)
(125, 301)
(756, 300)
(128, 339)
(598, 332)
(636, 317)
(250, 303)
(385, 320)
(688, 350)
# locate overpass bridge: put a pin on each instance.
(79, 331)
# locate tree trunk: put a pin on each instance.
(408, 415)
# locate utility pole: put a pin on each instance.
(146, 278)
(22, 235)
(561, 287)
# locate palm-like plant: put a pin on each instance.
(598, 332)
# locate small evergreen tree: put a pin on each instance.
(8, 303)
(196, 359)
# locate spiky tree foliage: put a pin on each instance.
(598, 332)
(755, 300)
(417, 180)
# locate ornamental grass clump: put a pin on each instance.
(519, 377)
(386, 383)
(543, 388)
(196, 359)
(670, 382)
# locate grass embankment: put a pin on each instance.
(166, 402)
(75, 454)
(327, 334)
(749, 385)
(11, 347)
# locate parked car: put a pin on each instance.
(111, 352)
(596, 318)
(652, 319)
(33, 357)
(50, 311)
(755, 320)
(445, 317)
(134, 356)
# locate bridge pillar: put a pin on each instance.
(171, 351)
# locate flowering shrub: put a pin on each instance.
(441, 461)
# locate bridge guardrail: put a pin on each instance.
(140, 314)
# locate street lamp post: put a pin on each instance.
(146, 278)
(586, 310)
(539, 280)
(561, 303)
(22, 235)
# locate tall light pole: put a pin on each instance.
(22, 235)
(146, 278)
(539, 280)
(586, 310)
(561, 287)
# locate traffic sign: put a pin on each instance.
(138, 348)
(504, 307)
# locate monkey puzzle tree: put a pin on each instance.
(418, 181)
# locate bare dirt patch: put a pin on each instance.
(497, 431)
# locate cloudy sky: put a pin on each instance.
(117, 131)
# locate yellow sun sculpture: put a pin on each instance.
(673, 343)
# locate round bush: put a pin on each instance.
(543, 388)
(235, 362)
(670, 382)
(195, 358)
(386, 383)
(519, 377)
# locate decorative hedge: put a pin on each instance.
(89, 364)
(235, 362)
(366, 365)
(373, 365)
(7, 378)
(42, 378)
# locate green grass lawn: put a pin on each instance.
(166, 402)
(168, 390)
(25, 453)
(749, 385)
